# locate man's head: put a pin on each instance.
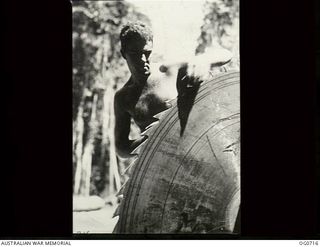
(136, 47)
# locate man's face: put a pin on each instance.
(137, 55)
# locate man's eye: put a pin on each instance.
(134, 53)
(147, 53)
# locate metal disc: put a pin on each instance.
(187, 176)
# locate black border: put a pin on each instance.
(278, 90)
(278, 107)
(37, 89)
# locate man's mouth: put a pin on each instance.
(146, 69)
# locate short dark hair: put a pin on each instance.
(135, 31)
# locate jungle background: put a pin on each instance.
(99, 70)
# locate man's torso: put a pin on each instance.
(142, 103)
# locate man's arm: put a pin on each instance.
(197, 67)
(124, 146)
(212, 57)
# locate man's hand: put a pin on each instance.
(191, 73)
(196, 68)
(195, 74)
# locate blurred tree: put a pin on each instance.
(220, 27)
(98, 71)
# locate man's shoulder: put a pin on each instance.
(123, 90)
(121, 95)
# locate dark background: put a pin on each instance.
(278, 106)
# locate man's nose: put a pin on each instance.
(144, 58)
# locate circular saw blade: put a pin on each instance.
(188, 181)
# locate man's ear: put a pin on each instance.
(123, 54)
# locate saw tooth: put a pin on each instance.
(142, 145)
(137, 150)
(117, 211)
(129, 166)
(172, 101)
(150, 129)
(129, 169)
(125, 190)
(120, 192)
(152, 124)
(160, 114)
(120, 197)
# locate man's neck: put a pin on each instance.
(139, 80)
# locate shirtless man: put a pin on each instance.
(150, 86)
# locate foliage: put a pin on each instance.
(220, 26)
(98, 71)
(96, 28)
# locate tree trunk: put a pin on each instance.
(77, 136)
(88, 151)
(108, 133)
(114, 173)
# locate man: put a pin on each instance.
(151, 85)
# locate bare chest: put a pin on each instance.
(153, 99)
